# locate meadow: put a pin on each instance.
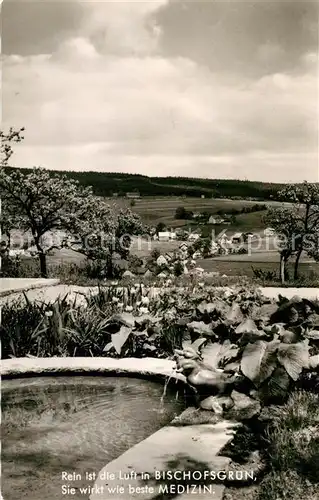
(154, 210)
(263, 254)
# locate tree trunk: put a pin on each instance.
(282, 269)
(297, 264)
(43, 265)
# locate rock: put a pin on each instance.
(195, 416)
(217, 404)
(244, 407)
(161, 261)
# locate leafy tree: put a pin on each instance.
(178, 268)
(181, 213)
(41, 203)
(47, 203)
(103, 234)
(7, 139)
(298, 225)
(285, 223)
(160, 227)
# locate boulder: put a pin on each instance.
(244, 407)
(217, 404)
(195, 416)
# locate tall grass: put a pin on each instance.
(292, 447)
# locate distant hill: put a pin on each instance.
(105, 184)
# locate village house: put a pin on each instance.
(238, 238)
(169, 256)
(193, 237)
(215, 220)
(269, 231)
(133, 195)
(166, 236)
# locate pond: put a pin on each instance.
(75, 424)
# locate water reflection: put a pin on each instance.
(50, 425)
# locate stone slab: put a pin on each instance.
(9, 286)
(191, 448)
(143, 366)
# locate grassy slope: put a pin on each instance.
(162, 209)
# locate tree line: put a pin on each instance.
(105, 184)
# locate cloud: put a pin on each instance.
(108, 97)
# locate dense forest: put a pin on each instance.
(107, 183)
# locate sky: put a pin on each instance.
(216, 89)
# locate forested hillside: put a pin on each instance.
(105, 184)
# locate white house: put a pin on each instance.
(166, 236)
(193, 237)
(237, 238)
(215, 220)
(269, 231)
(197, 255)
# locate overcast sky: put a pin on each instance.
(200, 88)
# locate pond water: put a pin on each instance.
(52, 425)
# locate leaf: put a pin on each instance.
(276, 387)
(246, 326)
(235, 315)
(314, 362)
(313, 335)
(211, 355)
(228, 351)
(259, 360)
(108, 347)
(124, 318)
(219, 307)
(119, 338)
(146, 318)
(200, 327)
(186, 344)
(294, 357)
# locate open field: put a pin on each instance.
(245, 268)
(263, 253)
(153, 210)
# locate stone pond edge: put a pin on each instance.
(139, 367)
